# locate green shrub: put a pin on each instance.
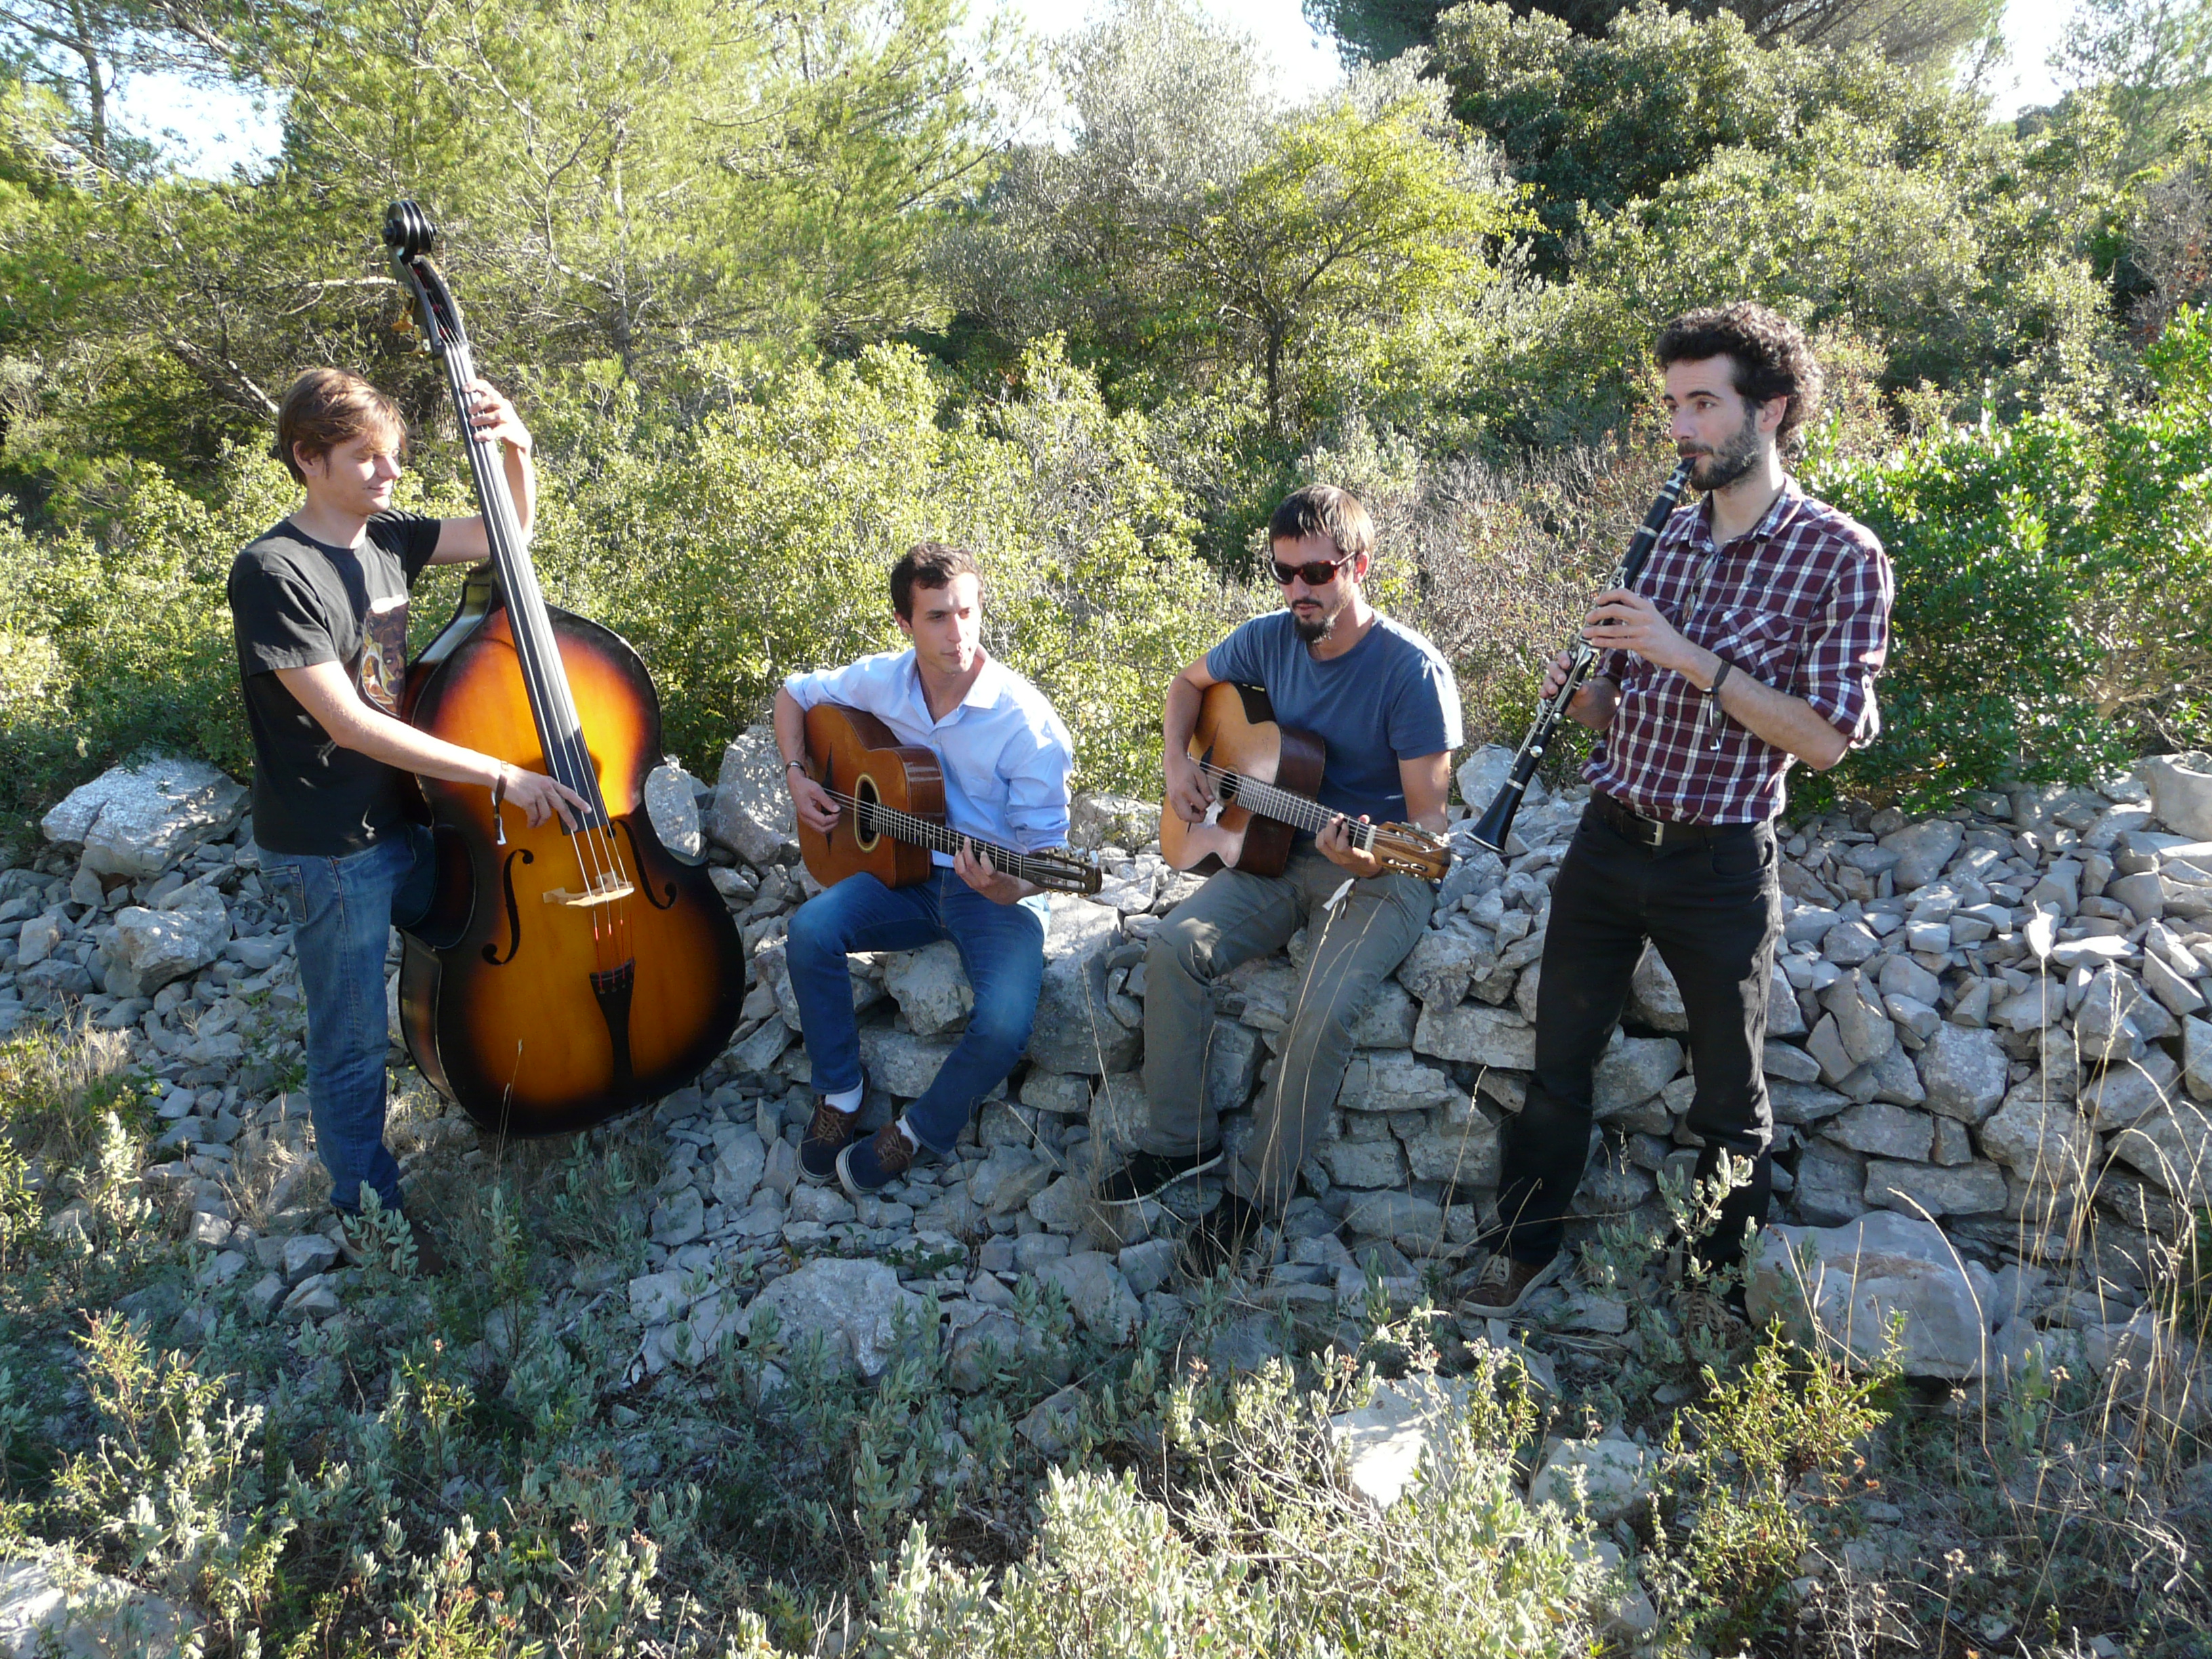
(2054, 588)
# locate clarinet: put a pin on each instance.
(1497, 823)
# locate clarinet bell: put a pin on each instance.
(1496, 824)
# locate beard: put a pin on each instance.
(1313, 633)
(1733, 460)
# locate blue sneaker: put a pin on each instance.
(866, 1167)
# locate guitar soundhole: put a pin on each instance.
(866, 800)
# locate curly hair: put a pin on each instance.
(1771, 357)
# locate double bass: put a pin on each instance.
(563, 973)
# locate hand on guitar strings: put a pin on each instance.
(993, 883)
(1188, 793)
(813, 804)
(539, 796)
(1334, 842)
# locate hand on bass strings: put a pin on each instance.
(994, 884)
(816, 810)
(1622, 621)
(493, 417)
(1336, 846)
(539, 796)
(1190, 796)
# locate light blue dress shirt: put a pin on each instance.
(1006, 755)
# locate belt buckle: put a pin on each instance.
(1657, 829)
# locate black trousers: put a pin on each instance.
(1713, 910)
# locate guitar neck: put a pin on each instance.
(917, 831)
(1297, 810)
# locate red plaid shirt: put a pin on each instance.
(1801, 604)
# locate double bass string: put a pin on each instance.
(599, 860)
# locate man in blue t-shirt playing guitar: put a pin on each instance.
(1385, 707)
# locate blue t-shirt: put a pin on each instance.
(1391, 697)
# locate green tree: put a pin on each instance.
(2151, 59)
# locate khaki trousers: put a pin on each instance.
(1235, 917)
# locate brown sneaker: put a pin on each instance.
(1503, 1285)
(868, 1166)
(829, 1134)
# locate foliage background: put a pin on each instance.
(782, 293)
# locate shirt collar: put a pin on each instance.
(1785, 507)
(983, 693)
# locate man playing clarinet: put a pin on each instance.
(1752, 643)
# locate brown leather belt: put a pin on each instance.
(1626, 822)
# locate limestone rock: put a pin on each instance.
(1608, 1476)
(1923, 850)
(1631, 1070)
(930, 987)
(1484, 773)
(1392, 1080)
(1830, 1184)
(1008, 1180)
(2197, 1057)
(1441, 964)
(1406, 1426)
(1075, 1031)
(49, 1609)
(2180, 793)
(672, 802)
(1120, 1111)
(1468, 1159)
(1388, 1019)
(2172, 1149)
(1914, 1188)
(752, 804)
(2124, 1094)
(998, 1343)
(852, 1306)
(1396, 1216)
(900, 1062)
(1843, 1286)
(138, 821)
(148, 948)
(1096, 821)
(1965, 1072)
(1470, 1031)
(1882, 1130)
(679, 1218)
(1361, 1163)
(2042, 1138)
(1232, 1065)
(1654, 998)
(1100, 1299)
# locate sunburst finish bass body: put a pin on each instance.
(1264, 777)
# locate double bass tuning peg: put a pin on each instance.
(407, 231)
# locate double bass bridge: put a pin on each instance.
(605, 890)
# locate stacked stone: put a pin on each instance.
(1994, 1017)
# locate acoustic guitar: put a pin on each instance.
(893, 797)
(1263, 777)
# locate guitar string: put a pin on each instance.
(1271, 801)
(926, 832)
(600, 862)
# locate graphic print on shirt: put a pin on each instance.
(384, 654)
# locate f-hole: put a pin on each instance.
(865, 799)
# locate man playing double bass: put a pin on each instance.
(1752, 643)
(319, 606)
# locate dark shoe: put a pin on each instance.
(1503, 1285)
(829, 1134)
(1147, 1174)
(1220, 1237)
(868, 1166)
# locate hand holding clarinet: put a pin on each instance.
(1567, 690)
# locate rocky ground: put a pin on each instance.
(1989, 1058)
(1987, 1041)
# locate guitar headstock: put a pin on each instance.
(1063, 872)
(1412, 852)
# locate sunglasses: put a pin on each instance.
(1319, 573)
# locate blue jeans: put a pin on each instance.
(343, 911)
(1000, 946)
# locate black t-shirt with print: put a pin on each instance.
(295, 602)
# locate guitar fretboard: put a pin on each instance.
(1282, 806)
(916, 831)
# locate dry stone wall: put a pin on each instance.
(1991, 1023)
